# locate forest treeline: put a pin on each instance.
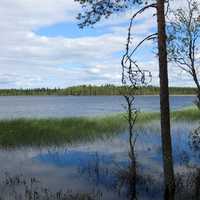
(91, 90)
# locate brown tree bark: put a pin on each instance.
(164, 103)
(194, 75)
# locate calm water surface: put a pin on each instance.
(101, 166)
(74, 106)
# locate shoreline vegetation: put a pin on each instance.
(92, 90)
(55, 131)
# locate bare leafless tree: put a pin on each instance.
(94, 11)
(184, 40)
(133, 76)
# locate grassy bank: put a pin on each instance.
(59, 131)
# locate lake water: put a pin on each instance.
(74, 106)
(101, 167)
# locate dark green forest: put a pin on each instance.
(91, 90)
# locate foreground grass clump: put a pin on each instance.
(23, 132)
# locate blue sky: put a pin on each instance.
(42, 46)
(71, 30)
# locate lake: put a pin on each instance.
(101, 167)
(75, 106)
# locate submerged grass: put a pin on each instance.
(40, 132)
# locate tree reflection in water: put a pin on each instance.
(188, 183)
(194, 141)
(122, 178)
(131, 181)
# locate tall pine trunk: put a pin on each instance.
(194, 74)
(164, 103)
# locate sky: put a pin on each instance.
(42, 46)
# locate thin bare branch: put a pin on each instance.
(149, 37)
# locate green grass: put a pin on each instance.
(23, 132)
(56, 131)
(189, 114)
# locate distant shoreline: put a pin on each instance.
(89, 90)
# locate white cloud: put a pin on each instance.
(31, 60)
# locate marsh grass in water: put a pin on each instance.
(188, 114)
(57, 131)
(36, 132)
(24, 188)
